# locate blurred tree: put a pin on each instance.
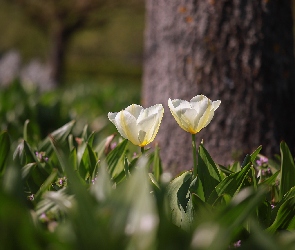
(60, 20)
(240, 52)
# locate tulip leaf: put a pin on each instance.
(285, 219)
(24, 154)
(60, 135)
(115, 159)
(253, 156)
(46, 184)
(154, 181)
(271, 180)
(196, 187)
(136, 208)
(199, 204)
(4, 150)
(264, 214)
(231, 184)
(26, 130)
(207, 172)
(157, 164)
(102, 186)
(225, 170)
(246, 160)
(179, 200)
(241, 207)
(235, 167)
(287, 170)
(27, 169)
(290, 194)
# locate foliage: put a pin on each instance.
(46, 111)
(76, 192)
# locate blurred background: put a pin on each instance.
(70, 59)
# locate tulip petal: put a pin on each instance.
(189, 117)
(158, 108)
(194, 115)
(206, 117)
(216, 104)
(151, 123)
(112, 117)
(127, 126)
(200, 104)
(172, 104)
(178, 103)
(134, 110)
(141, 138)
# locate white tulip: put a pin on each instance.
(194, 115)
(138, 125)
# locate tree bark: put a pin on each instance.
(240, 52)
(59, 40)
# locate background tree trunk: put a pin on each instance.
(240, 52)
(59, 43)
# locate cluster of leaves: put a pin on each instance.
(69, 192)
(86, 103)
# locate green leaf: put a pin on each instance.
(157, 164)
(92, 159)
(45, 186)
(84, 215)
(4, 150)
(154, 181)
(236, 167)
(115, 159)
(231, 184)
(137, 210)
(285, 219)
(179, 200)
(100, 149)
(60, 135)
(102, 186)
(196, 187)
(27, 169)
(241, 207)
(207, 172)
(264, 214)
(253, 156)
(199, 204)
(26, 130)
(287, 170)
(246, 160)
(23, 154)
(57, 203)
(271, 180)
(225, 170)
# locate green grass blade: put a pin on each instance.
(287, 170)
(4, 150)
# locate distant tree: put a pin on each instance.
(240, 52)
(60, 20)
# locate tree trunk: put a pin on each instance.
(239, 52)
(59, 38)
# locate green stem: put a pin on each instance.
(194, 155)
(142, 150)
